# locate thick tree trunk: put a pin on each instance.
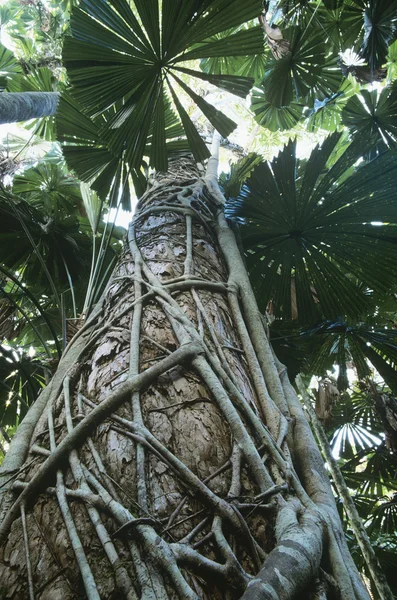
(170, 457)
(22, 106)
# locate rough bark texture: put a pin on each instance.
(22, 106)
(170, 457)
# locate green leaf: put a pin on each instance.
(362, 345)
(117, 65)
(231, 182)
(83, 147)
(21, 380)
(196, 143)
(242, 43)
(342, 24)
(9, 65)
(304, 70)
(313, 226)
(272, 117)
(380, 24)
(240, 86)
(327, 113)
(41, 243)
(373, 114)
(218, 119)
(392, 62)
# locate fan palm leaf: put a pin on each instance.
(360, 345)
(274, 118)
(120, 62)
(305, 70)
(380, 29)
(312, 224)
(373, 114)
(49, 188)
(41, 244)
(9, 66)
(327, 114)
(372, 471)
(21, 379)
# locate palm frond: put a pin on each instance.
(312, 225)
(373, 114)
(21, 379)
(120, 62)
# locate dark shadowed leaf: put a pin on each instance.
(119, 66)
(373, 114)
(311, 226)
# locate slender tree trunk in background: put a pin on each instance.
(22, 106)
(170, 458)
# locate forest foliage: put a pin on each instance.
(318, 233)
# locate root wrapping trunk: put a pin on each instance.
(170, 458)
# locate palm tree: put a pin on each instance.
(15, 107)
(170, 456)
(29, 92)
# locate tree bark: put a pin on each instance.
(22, 106)
(170, 457)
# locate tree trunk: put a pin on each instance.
(15, 106)
(170, 458)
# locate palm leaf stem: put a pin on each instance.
(105, 241)
(311, 18)
(26, 145)
(104, 248)
(92, 269)
(104, 252)
(326, 33)
(71, 286)
(107, 273)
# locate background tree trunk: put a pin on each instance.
(170, 457)
(22, 106)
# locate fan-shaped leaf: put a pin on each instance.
(380, 27)
(305, 70)
(373, 114)
(114, 61)
(272, 117)
(304, 222)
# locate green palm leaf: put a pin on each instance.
(362, 345)
(376, 473)
(327, 114)
(122, 69)
(384, 516)
(373, 114)
(18, 299)
(50, 189)
(392, 62)
(231, 182)
(305, 70)
(380, 29)
(273, 117)
(9, 66)
(55, 241)
(86, 153)
(21, 379)
(310, 224)
(341, 23)
(245, 66)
